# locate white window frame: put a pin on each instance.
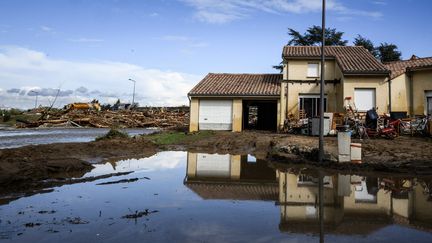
(374, 103)
(317, 74)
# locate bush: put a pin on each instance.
(6, 115)
(113, 133)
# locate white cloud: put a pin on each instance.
(26, 69)
(86, 40)
(175, 38)
(46, 28)
(223, 11)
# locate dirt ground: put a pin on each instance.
(25, 167)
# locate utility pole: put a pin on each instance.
(37, 93)
(321, 127)
(133, 95)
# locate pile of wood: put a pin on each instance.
(169, 118)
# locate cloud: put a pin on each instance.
(175, 38)
(46, 28)
(26, 70)
(223, 11)
(380, 2)
(82, 90)
(13, 91)
(86, 40)
(188, 44)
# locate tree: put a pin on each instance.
(388, 52)
(312, 37)
(366, 43)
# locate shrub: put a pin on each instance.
(113, 133)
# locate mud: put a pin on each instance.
(30, 167)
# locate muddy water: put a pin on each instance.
(12, 138)
(194, 197)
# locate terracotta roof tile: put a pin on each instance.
(400, 67)
(225, 84)
(351, 59)
(235, 191)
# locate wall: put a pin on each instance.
(422, 81)
(400, 93)
(193, 120)
(296, 89)
(192, 159)
(237, 115)
(377, 82)
(297, 69)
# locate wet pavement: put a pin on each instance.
(12, 138)
(197, 197)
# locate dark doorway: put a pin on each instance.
(260, 115)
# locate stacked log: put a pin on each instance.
(145, 118)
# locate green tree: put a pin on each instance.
(366, 43)
(388, 52)
(312, 37)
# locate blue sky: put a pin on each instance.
(90, 48)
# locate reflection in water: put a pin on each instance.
(236, 177)
(221, 198)
(350, 205)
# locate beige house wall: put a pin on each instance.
(235, 166)
(191, 164)
(237, 115)
(379, 83)
(382, 205)
(422, 82)
(193, 114)
(295, 90)
(297, 69)
(400, 94)
(283, 102)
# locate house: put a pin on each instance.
(263, 101)
(411, 85)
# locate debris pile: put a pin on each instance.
(160, 117)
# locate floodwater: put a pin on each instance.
(12, 138)
(196, 197)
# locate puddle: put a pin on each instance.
(195, 197)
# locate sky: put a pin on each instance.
(90, 48)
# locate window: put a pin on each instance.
(428, 106)
(364, 99)
(310, 104)
(313, 70)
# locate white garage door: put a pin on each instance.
(215, 115)
(364, 99)
(213, 165)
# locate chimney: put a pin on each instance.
(414, 57)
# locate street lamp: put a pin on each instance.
(37, 93)
(133, 95)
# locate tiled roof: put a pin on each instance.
(400, 67)
(351, 59)
(236, 191)
(225, 84)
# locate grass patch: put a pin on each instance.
(113, 133)
(166, 138)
